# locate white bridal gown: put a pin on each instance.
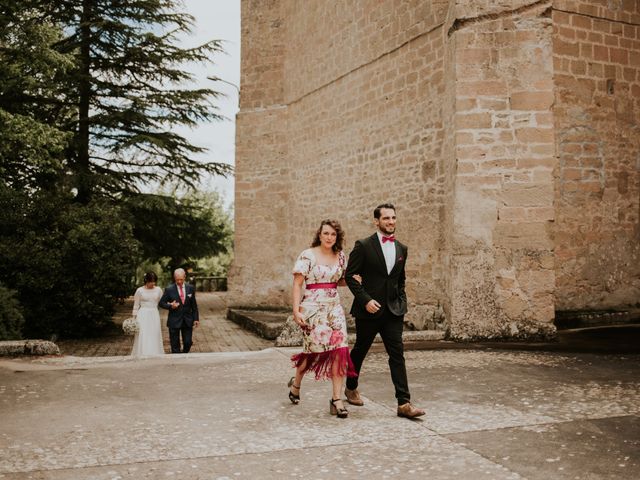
(148, 340)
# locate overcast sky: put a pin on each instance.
(218, 19)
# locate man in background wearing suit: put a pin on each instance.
(180, 299)
(379, 304)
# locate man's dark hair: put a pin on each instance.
(376, 212)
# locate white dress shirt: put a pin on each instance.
(389, 252)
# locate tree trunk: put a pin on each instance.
(84, 178)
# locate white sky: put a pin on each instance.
(218, 19)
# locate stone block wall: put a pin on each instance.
(465, 114)
(261, 179)
(331, 164)
(341, 166)
(502, 251)
(596, 54)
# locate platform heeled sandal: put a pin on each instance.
(295, 399)
(339, 412)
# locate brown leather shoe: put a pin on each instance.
(353, 397)
(409, 411)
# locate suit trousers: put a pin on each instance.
(174, 338)
(390, 327)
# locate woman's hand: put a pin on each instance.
(299, 319)
(357, 278)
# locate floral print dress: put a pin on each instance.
(325, 337)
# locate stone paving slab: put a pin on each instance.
(478, 390)
(490, 415)
(380, 460)
(605, 448)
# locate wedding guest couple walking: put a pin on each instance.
(180, 299)
(375, 274)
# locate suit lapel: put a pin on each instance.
(398, 256)
(375, 243)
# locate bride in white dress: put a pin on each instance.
(148, 340)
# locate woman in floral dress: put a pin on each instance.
(317, 273)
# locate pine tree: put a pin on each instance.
(33, 109)
(90, 94)
(130, 94)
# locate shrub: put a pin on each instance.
(11, 318)
(68, 262)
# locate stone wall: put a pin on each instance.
(261, 181)
(460, 113)
(596, 49)
(341, 166)
(502, 252)
(332, 164)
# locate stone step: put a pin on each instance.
(276, 325)
(595, 318)
(265, 323)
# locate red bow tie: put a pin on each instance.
(390, 238)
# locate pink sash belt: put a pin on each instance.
(317, 286)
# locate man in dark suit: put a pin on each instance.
(380, 304)
(180, 299)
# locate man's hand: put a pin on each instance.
(174, 305)
(196, 324)
(372, 306)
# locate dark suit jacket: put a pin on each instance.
(186, 313)
(387, 289)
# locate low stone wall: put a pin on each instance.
(291, 335)
(265, 323)
(12, 348)
(596, 318)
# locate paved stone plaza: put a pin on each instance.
(491, 415)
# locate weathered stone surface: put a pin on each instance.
(597, 186)
(28, 347)
(504, 132)
(266, 323)
(491, 415)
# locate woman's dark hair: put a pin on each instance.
(150, 277)
(376, 212)
(339, 235)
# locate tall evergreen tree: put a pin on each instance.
(130, 95)
(90, 96)
(33, 109)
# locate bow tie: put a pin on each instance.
(390, 238)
